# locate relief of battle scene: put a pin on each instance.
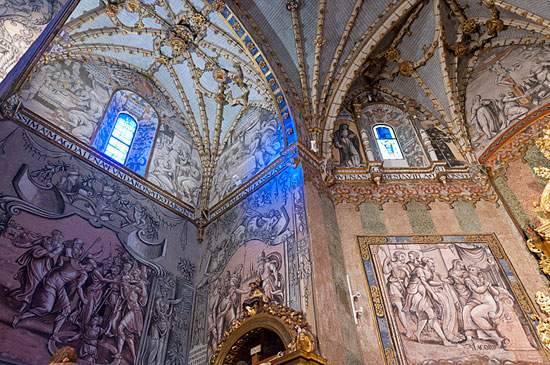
(251, 146)
(452, 301)
(267, 240)
(507, 84)
(87, 262)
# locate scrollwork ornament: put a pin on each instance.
(377, 301)
(389, 354)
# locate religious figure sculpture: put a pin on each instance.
(348, 146)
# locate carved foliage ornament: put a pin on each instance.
(539, 241)
(259, 305)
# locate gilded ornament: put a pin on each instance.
(406, 68)
(427, 239)
(460, 49)
(258, 303)
(198, 19)
(220, 75)
(469, 26)
(377, 301)
(364, 247)
(494, 26)
(391, 54)
(389, 354)
(521, 297)
(217, 5)
(111, 10)
(132, 6)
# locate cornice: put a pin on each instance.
(515, 141)
(66, 142)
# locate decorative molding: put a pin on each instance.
(423, 191)
(515, 141)
(51, 133)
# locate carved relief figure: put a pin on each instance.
(348, 145)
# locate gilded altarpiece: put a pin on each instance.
(449, 299)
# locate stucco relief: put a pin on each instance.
(380, 113)
(255, 142)
(74, 96)
(87, 262)
(507, 84)
(449, 298)
(265, 236)
(21, 22)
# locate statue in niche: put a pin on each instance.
(440, 142)
(347, 144)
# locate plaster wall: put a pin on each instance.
(336, 329)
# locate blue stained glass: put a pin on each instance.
(121, 138)
(384, 133)
(387, 143)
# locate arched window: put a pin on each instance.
(121, 138)
(387, 143)
(127, 131)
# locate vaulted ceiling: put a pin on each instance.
(421, 50)
(186, 47)
(214, 58)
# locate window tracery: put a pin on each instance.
(387, 142)
(127, 131)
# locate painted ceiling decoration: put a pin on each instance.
(21, 22)
(198, 55)
(215, 61)
(422, 51)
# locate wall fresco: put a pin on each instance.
(507, 84)
(74, 96)
(255, 142)
(448, 298)
(21, 22)
(88, 262)
(264, 236)
(175, 165)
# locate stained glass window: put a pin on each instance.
(387, 143)
(121, 138)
